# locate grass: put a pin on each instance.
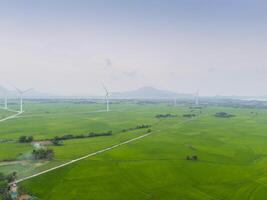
(5, 113)
(12, 150)
(232, 153)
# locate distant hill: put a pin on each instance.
(148, 93)
(141, 93)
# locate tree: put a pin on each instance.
(56, 141)
(25, 139)
(11, 177)
(40, 154)
(30, 139)
(4, 187)
(22, 139)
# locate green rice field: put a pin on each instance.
(231, 152)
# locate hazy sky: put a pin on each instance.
(71, 47)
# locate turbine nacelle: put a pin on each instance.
(21, 92)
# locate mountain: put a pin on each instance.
(148, 93)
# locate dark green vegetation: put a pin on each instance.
(231, 152)
(189, 115)
(137, 127)
(4, 193)
(165, 116)
(4, 185)
(223, 115)
(70, 136)
(43, 154)
(25, 139)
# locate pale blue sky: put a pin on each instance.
(70, 47)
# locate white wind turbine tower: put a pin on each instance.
(107, 97)
(175, 99)
(5, 101)
(197, 98)
(21, 92)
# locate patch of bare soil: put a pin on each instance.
(42, 142)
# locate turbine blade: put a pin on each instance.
(105, 89)
(18, 90)
(27, 90)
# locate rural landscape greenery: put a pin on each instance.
(230, 152)
(133, 100)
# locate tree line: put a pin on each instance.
(29, 139)
(223, 115)
(165, 115)
(58, 139)
(142, 126)
(25, 139)
(189, 115)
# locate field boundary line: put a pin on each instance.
(82, 158)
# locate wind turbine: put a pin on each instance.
(107, 97)
(5, 102)
(21, 92)
(175, 101)
(197, 98)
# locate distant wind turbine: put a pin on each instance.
(197, 98)
(5, 102)
(21, 93)
(107, 97)
(175, 101)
